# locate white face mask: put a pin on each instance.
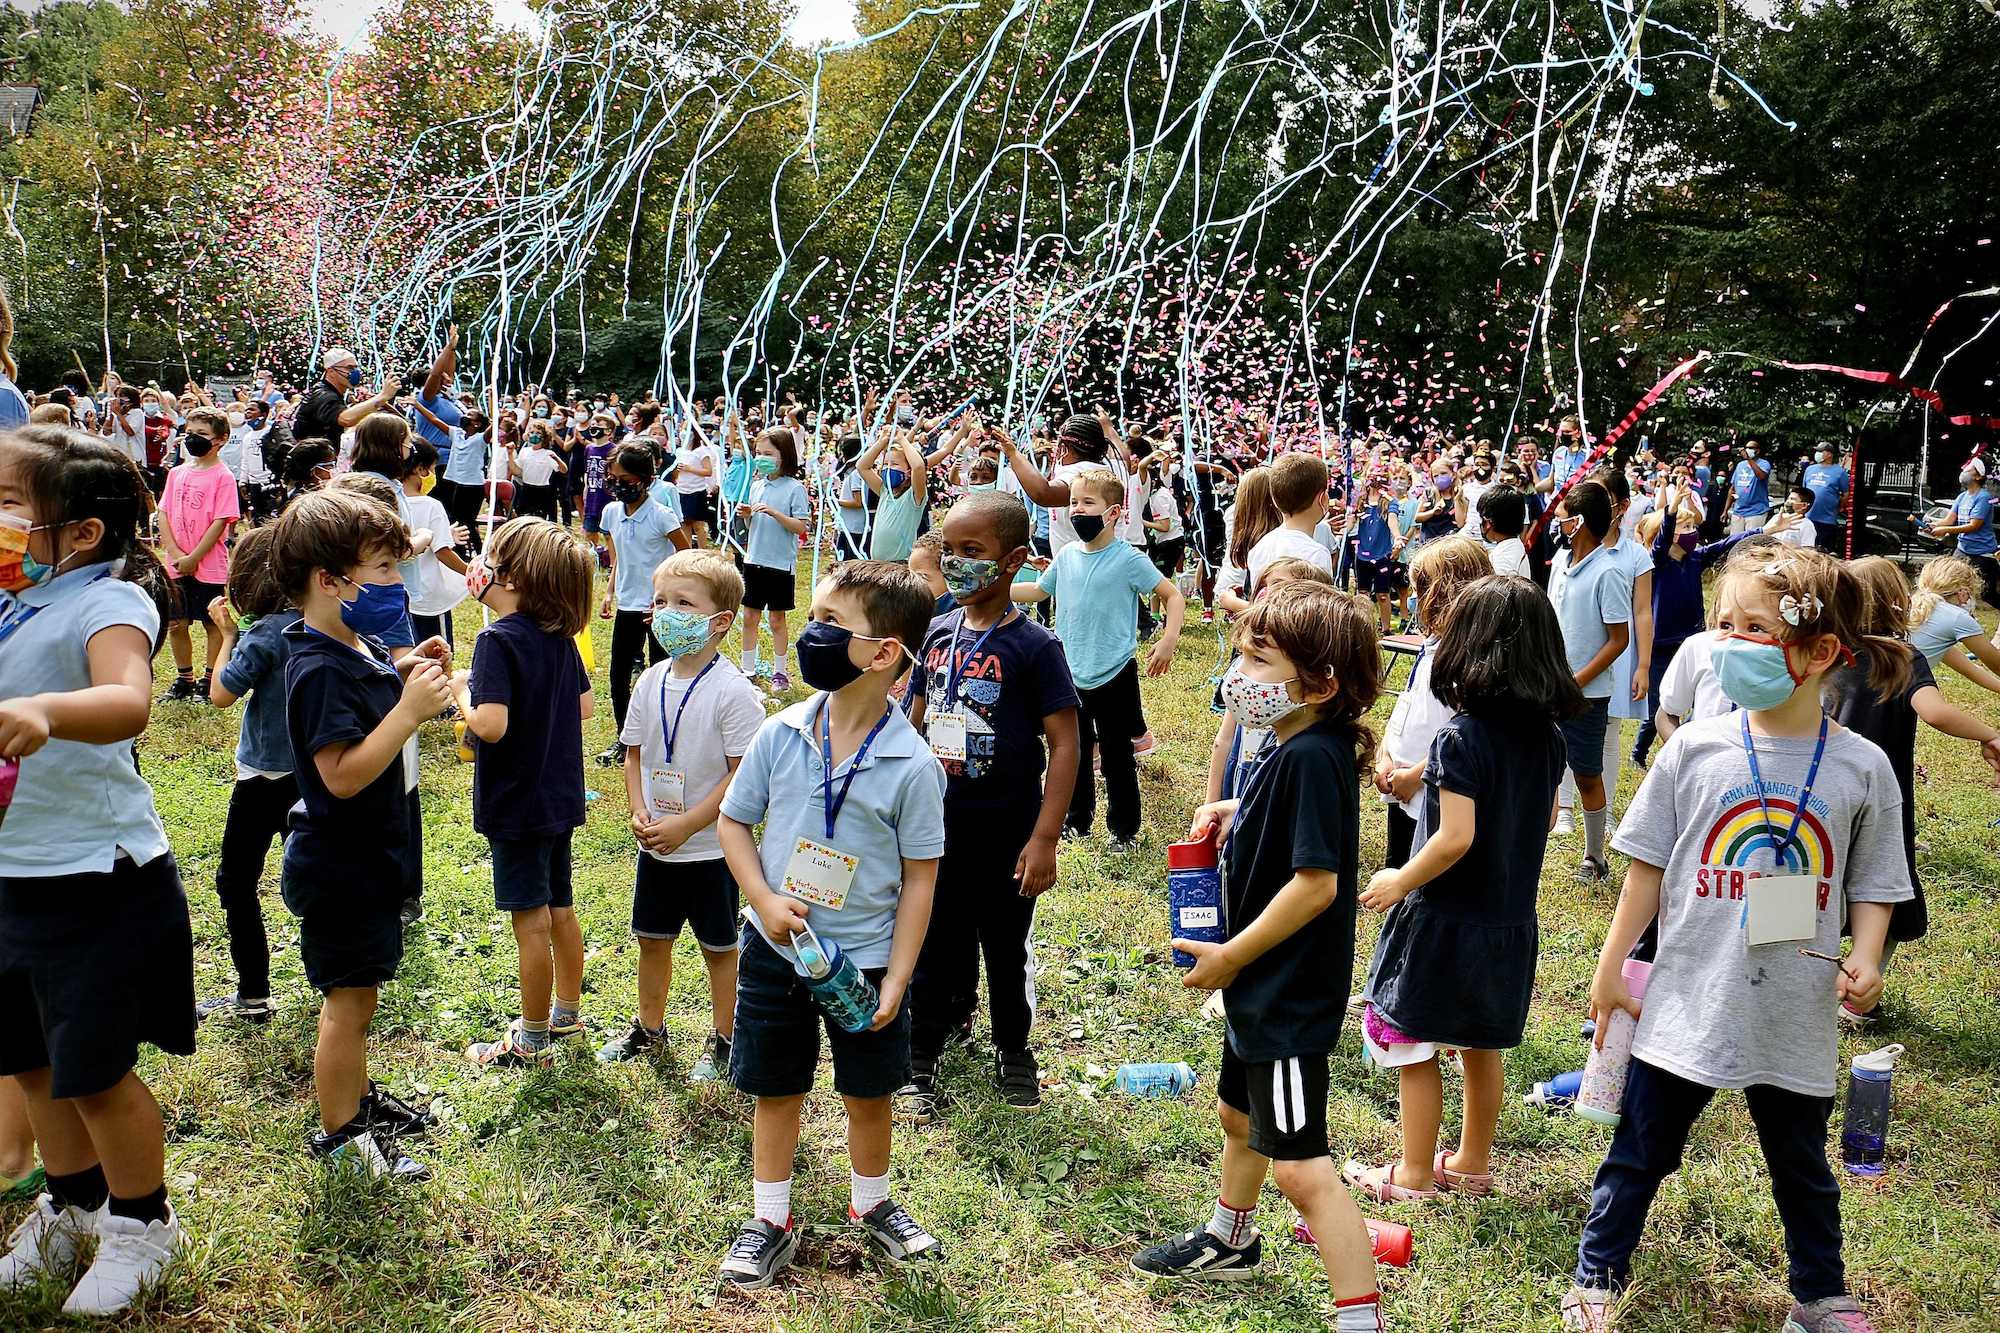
(1258, 703)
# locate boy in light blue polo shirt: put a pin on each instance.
(852, 804)
(1592, 594)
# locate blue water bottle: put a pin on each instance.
(1194, 895)
(848, 997)
(1556, 1093)
(1163, 1080)
(1864, 1133)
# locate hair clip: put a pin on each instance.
(1796, 610)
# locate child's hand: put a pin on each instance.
(461, 681)
(891, 1002)
(1860, 983)
(1038, 562)
(1212, 969)
(460, 534)
(434, 649)
(1405, 783)
(604, 607)
(218, 615)
(1035, 868)
(1608, 992)
(1212, 821)
(783, 916)
(1161, 659)
(1385, 889)
(187, 565)
(427, 691)
(1385, 772)
(666, 834)
(24, 728)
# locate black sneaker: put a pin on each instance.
(634, 1042)
(916, 1101)
(896, 1233)
(234, 1006)
(1593, 871)
(611, 756)
(182, 689)
(713, 1067)
(412, 912)
(386, 1113)
(355, 1149)
(760, 1253)
(1018, 1078)
(960, 1035)
(1199, 1254)
(201, 686)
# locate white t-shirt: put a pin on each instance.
(131, 436)
(1414, 723)
(1162, 505)
(689, 482)
(255, 471)
(1061, 531)
(1690, 690)
(538, 466)
(437, 589)
(1282, 543)
(721, 719)
(1472, 489)
(1801, 533)
(1509, 557)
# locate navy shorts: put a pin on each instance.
(193, 597)
(346, 940)
(1583, 735)
(697, 507)
(1285, 1101)
(775, 1051)
(1378, 578)
(668, 895)
(531, 872)
(768, 589)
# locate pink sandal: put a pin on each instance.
(1474, 1185)
(1378, 1183)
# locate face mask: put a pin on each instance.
(823, 660)
(1754, 673)
(980, 486)
(478, 577)
(235, 418)
(197, 445)
(1483, 473)
(1088, 526)
(627, 493)
(151, 410)
(377, 607)
(894, 477)
(428, 481)
(764, 466)
(354, 379)
(1443, 484)
(1688, 541)
(1258, 703)
(967, 577)
(680, 632)
(906, 416)
(18, 569)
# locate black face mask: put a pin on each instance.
(197, 446)
(1088, 526)
(627, 492)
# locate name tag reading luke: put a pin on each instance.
(948, 735)
(668, 790)
(1780, 908)
(819, 874)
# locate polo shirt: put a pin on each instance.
(893, 811)
(770, 545)
(334, 696)
(1589, 595)
(641, 542)
(255, 673)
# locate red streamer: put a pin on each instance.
(1611, 437)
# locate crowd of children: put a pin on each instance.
(895, 827)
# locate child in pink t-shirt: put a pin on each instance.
(196, 510)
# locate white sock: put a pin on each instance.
(1234, 1227)
(1594, 822)
(1566, 794)
(774, 1201)
(1363, 1316)
(864, 1192)
(750, 659)
(781, 655)
(1614, 759)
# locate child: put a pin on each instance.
(1942, 626)
(1689, 690)
(198, 506)
(777, 511)
(1377, 535)
(901, 489)
(989, 685)
(1298, 489)
(643, 533)
(1308, 670)
(1592, 594)
(440, 585)
(690, 723)
(95, 951)
(1097, 582)
(1237, 751)
(852, 804)
(850, 539)
(1455, 963)
(535, 470)
(1793, 524)
(927, 563)
(261, 801)
(527, 776)
(1724, 809)
(1503, 515)
(352, 724)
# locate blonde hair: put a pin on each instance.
(1441, 570)
(550, 570)
(51, 414)
(1256, 515)
(1817, 595)
(1945, 579)
(1291, 569)
(1100, 482)
(1331, 641)
(372, 485)
(714, 571)
(1887, 593)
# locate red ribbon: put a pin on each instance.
(1611, 437)
(1928, 397)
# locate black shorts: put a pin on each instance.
(767, 589)
(347, 940)
(697, 507)
(532, 872)
(1207, 533)
(1583, 737)
(193, 597)
(91, 965)
(1167, 556)
(667, 895)
(1285, 1100)
(775, 1051)
(1378, 578)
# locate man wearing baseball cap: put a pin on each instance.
(326, 413)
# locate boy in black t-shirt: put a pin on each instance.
(989, 686)
(527, 777)
(1308, 671)
(351, 723)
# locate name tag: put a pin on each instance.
(1780, 908)
(1200, 918)
(947, 733)
(819, 874)
(666, 791)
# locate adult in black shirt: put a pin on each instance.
(326, 413)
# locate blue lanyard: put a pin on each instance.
(1805, 792)
(823, 728)
(22, 615)
(955, 665)
(666, 734)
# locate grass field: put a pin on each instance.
(589, 1198)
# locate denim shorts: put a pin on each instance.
(775, 1051)
(1583, 736)
(531, 872)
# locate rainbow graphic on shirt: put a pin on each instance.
(1742, 838)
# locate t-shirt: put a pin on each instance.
(771, 545)
(446, 409)
(255, 673)
(596, 469)
(1162, 505)
(1800, 533)
(1690, 690)
(437, 589)
(318, 417)
(854, 521)
(1283, 543)
(1509, 557)
(640, 543)
(686, 479)
(529, 783)
(896, 518)
(538, 466)
(194, 498)
(468, 466)
(1589, 595)
(352, 847)
(1944, 629)
(1892, 724)
(1303, 812)
(1967, 506)
(1414, 723)
(1827, 482)
(1717, 1010)
(713, 722)
(1009, 678)
(1472, 490)
(1097, 606)
(13, 405)
(1751, 479)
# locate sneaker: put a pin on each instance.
(611, 756)
(634, 1042)
(1018, 1078)
(1208, 615)
(1199, 1254)
(1593, 871)
(762, 1251)
(234, 1006)
(1835, 1314)
(48, 1240)
(713, 1067)
(130, 1257)
(1587, 1310)
(1121, 845)
(201, 686)
(182, 689)
(917, 1101)
(411, 912)
(780, 682)
(1565, 824)
(570, 1031)
(896, 1233)
(1853, 1019)
(1144, 746)
(386, 1114)
(354, 1149)
(26, 1188)
(511, 1051)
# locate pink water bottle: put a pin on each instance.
(10, 773)
(1603, 1090)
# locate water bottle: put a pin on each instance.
(10, 774)
(1603, 1089)
(1557, 1092)
(464, 741)
(1166, 1080)
(1390, 1240)
(1194, 895)
(1866, 1129)
(848, 997)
